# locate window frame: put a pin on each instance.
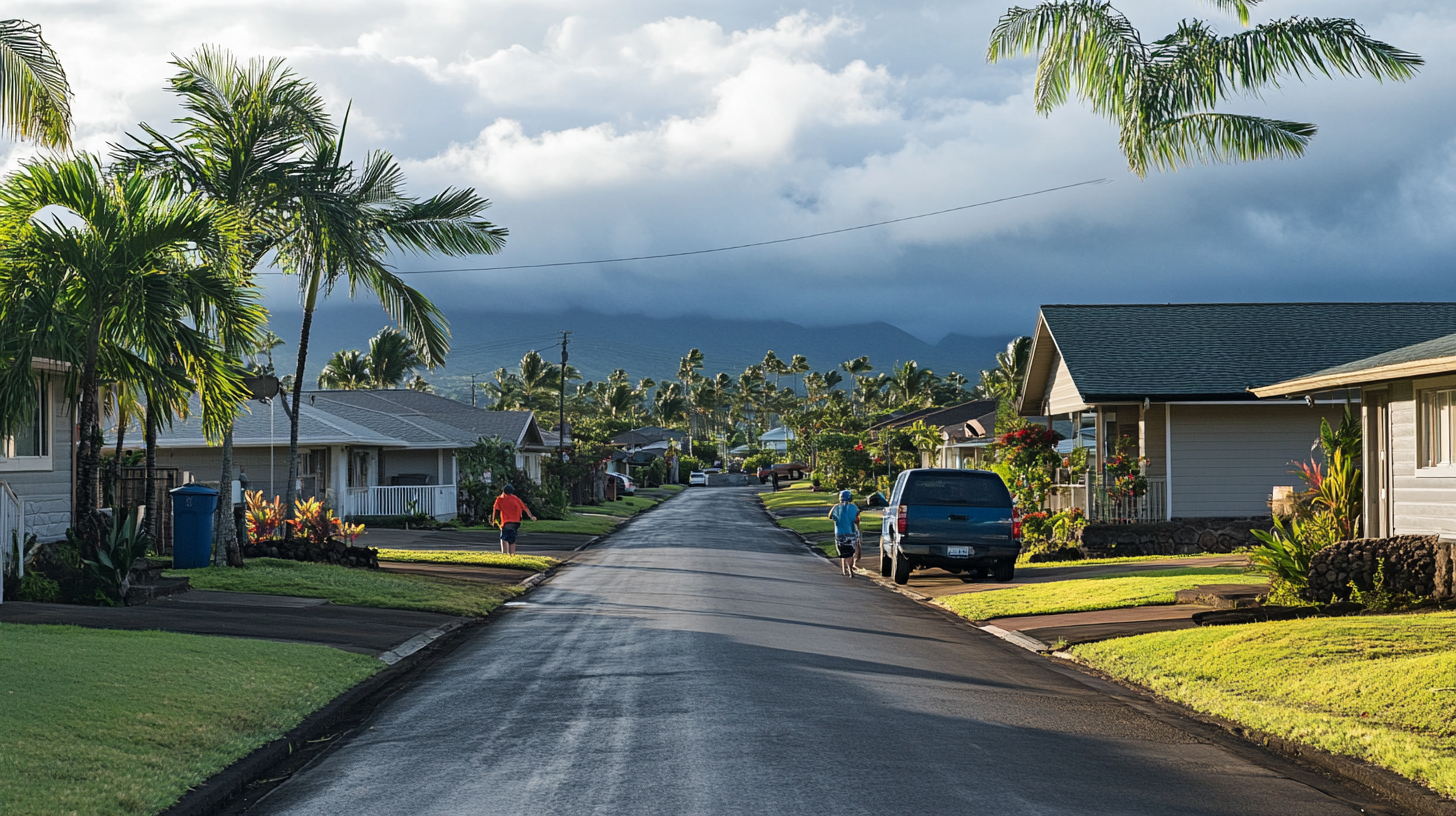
(45, 409)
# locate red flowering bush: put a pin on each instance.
(1030, 454)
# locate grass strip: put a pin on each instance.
(534, 563)
(1126, 559)
(1088, 594)
(1377, 688)
(355, 587)
(869, 524)
(98, 722)
(626, 508)
(801, 494)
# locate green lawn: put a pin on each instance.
(800, 494)
(354, 587)
(97, 722)
(869, 524)
(1098, 562)
(625, 508)
(1086, 594)
(1378, 688)
(593, 519)
(534, 563)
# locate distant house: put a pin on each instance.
(36, 487)
(968, 430)
(776, 439)
(377, 452)
(1171, 383)
(1408, 401)
(640, 446)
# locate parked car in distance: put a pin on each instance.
(958, 520)
(625, 485)
(697, 479)
(788, 471)
(713, 470)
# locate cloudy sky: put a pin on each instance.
(637, 127)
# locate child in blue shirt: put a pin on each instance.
(846, 532)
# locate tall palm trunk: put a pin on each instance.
(154, 505)
(291, 491)
(224, 531)
(89, 521)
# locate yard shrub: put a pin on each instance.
(265, 518)
(1030, 457)
(109, 561)
(38, 588)
(317, 525)
(1124, 473)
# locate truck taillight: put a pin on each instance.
(1015, 521)
(901, 519)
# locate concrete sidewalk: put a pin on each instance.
(279, 618)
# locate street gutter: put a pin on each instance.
(1410, 796)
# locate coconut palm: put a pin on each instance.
(910, 385)
(391, 358)
(347, 370)
(1163, 95)
(243, 144)
(1004, 381)
(35, 98)
(345, 221)
(799, 364)
(117, 288)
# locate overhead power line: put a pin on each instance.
(753, 244)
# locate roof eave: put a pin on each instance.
(1395, 371)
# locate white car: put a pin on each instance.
(625, 485)
(697, 478)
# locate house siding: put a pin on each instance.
(397, 462)
(1227, 458)
(1419, 505)
(1063, 397)
(46, 494)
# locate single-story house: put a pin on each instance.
(1408, 409)
(640, 446)
(967, 429)
(36, 481)
(776, 439)
(1170, 384)
(368, 452)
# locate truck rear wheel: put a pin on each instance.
(887, 565)
(1004, 570)
(901, 569)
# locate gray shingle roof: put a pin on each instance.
(1437, 349)
(1219, 350)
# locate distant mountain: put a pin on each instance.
(645, 346)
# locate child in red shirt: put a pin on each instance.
(507, 512)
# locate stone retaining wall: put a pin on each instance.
(1177, 537)
(334, 552)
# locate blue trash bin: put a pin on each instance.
(192, 508)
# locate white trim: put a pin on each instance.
(1168, 456)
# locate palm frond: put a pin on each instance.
(1217, 138)
(35, 98)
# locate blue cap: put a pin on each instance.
(845, 495)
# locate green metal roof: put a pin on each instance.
(1220, 350)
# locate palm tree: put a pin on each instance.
(345, 221)
(347, 370)
(243, 146)
(855, 369)
(1163, 95)
(910, 385)
(117, 292)
(799, 364)
(35, 98)
(391, 358)
(1004, 381)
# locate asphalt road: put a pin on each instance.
(703, 662)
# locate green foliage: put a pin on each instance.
(1283, 554)
(39, 588)
(1379, 598)
(1124, 472)
(1347, 440)
(1340, 494)
(110, 559)
(1030, 459)
(758, 460)
(1087, 594)
(688, 464)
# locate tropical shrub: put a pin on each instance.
(110, 559)
(38, 588)
(265, 518)
(1030, 458)
(317, 524)
(1124, 472)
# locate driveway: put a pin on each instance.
(703, 662)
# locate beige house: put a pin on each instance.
(967, 431)
(1408, 401)
(1170, 384)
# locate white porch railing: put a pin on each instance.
(1105, 505)
(12, 534)
(432, 500)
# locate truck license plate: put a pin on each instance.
(958, 552)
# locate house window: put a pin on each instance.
(30, 438)
(1438, 428)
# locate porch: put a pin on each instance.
(12, 535)
(436, 501)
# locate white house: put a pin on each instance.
(376, 452)
(36, 464)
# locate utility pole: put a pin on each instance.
(472, 390)
(561, 405)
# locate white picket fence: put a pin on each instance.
(432, 500)
(12, 534)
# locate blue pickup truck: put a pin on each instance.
(958, 520)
